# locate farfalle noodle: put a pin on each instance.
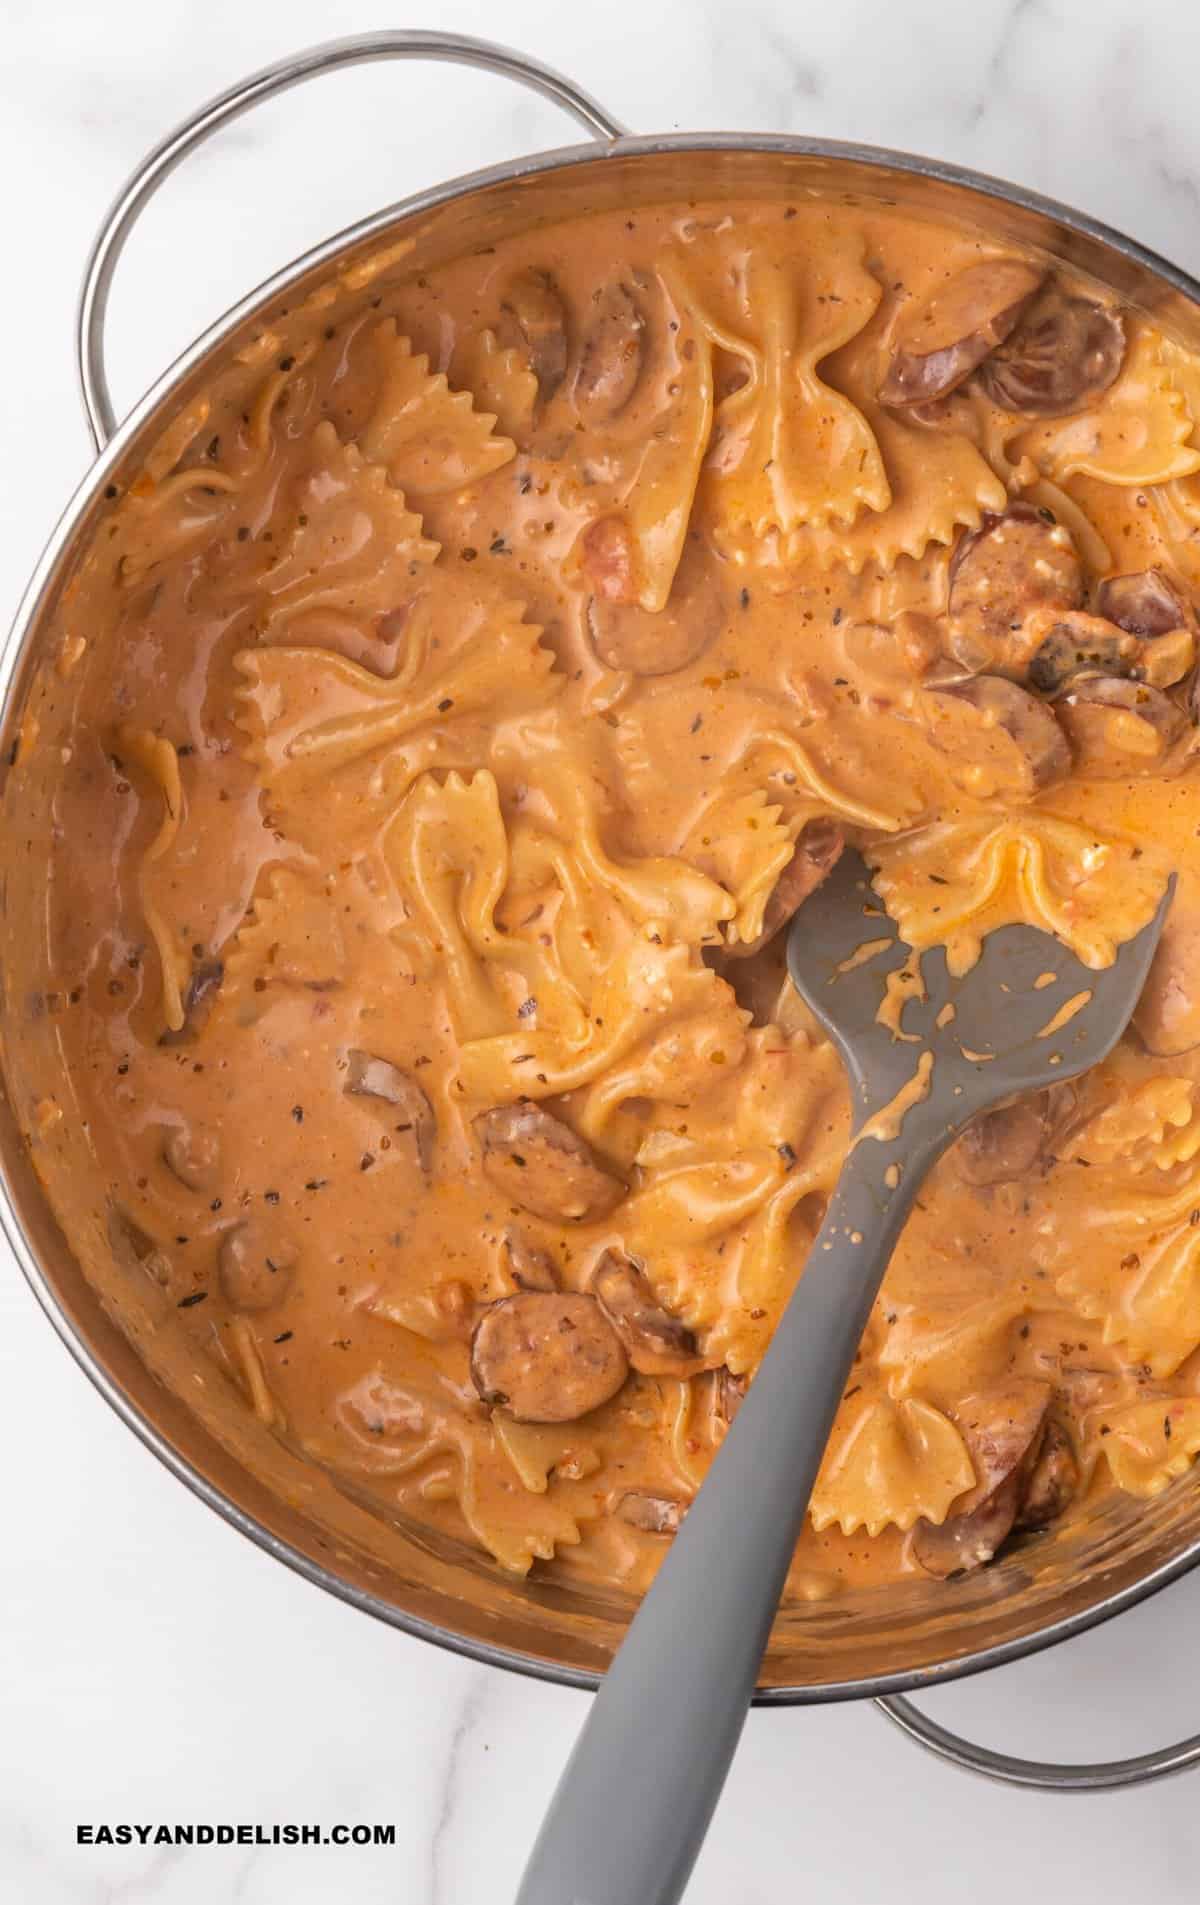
(429, 438)
(955, 881)
(937, 480)
(788, 447)
(1150, 1444)
(889, 1464)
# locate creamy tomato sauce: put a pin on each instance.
(443, 726)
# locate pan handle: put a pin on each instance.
(1100, 1776)
(356, 50)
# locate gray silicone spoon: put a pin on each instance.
(634, 1802)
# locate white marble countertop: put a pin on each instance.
(155, 1666)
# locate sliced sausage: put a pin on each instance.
(1003, 1432)
(199, 998)
(1003, 740)
(656, 1343)
(729, 1393)
(1064, 353)
(529, 1266)
(1145, 602)
(533, 320)
(938, 346)
(818, 849)
(368, 1076)
(1066, 644)
(193, 1154)
(546, 1357)
(1014, 563)
(255, 1264)
(1053, 1480)
(658, 642)
(1003, 1145)
(610, 362)
(655, 1514)
(1119, 727)
(542, 1165)
(1167, 1016)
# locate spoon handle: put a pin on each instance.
(633, 1805)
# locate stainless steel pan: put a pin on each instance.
(864, 1645)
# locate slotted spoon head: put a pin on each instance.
(969, 1043)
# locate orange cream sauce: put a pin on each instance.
(357, 749)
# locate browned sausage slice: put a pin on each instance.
(1003, 740)
(1004, 1145)
(1003, 1433)
(729, 1394)
(1145, 602)
(1012, 564)
(193, 1154)
(1063, 354)
(529, 1266)
(370, 1077)
(546, 1357)
(818, 849)
(658, 642)
(533, 319)
(1053, 1479)
(656, 1343)
(610, 362)
(1119, 727)
(655, 1514)
(948, 337)
(544, 1166)
(1067, 643)
(255, 1264)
